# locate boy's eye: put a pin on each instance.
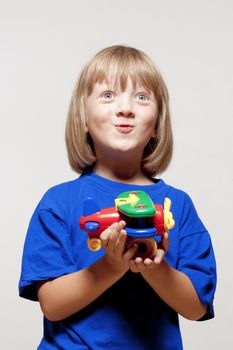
(107, 94)
(142, 97)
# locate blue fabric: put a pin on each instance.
(129, 315)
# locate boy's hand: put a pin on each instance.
(140, 265)
(113, 240)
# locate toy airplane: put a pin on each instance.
(144, 221)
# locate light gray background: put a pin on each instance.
(43, 45)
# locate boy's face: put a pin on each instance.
(120, 121)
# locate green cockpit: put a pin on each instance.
(135, 204)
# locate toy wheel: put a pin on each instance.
(94, 244)
(147, 247)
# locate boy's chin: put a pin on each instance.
(125, 151)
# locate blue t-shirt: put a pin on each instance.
(129, 315)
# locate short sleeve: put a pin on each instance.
(47, 250)
(197, 258)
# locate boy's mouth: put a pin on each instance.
(124, 128)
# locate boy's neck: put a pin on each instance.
(123, 173)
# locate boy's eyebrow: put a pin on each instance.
(112, 81)
(109, 85)
(142, 88)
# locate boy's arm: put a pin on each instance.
(176, 289)
(173, 286)
(61, 297)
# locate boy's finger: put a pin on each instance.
(131, 251)
(121, 224)
(165, 241)
(110, 235)
(159, 256)
(120, 243)
(139, 264)
(114, 235)
(148, 262)
(133, 266)
(107, 233)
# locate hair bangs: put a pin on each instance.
(116, 68)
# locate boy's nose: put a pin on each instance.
(125, 109)
(125, 113)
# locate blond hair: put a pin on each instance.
(128, 62)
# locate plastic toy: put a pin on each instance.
(145, 221)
